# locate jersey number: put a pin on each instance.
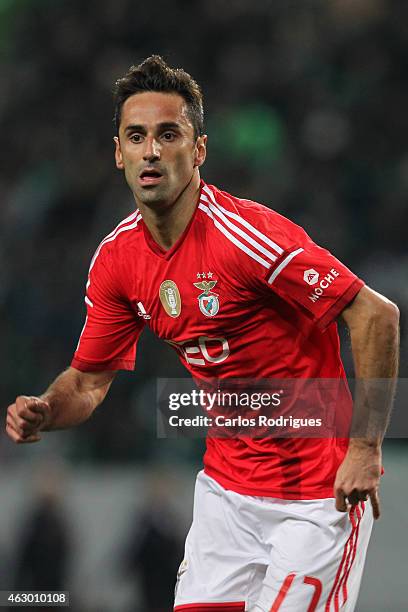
(207, 350)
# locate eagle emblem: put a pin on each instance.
(208, 300)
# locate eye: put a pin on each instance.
(168, 136)
(136, 138)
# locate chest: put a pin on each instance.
(197, 292)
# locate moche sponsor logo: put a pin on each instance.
(324, 283)
(310, 276)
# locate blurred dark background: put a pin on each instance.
(306, 111)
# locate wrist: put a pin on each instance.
(367, 444)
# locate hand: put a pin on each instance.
(25, 419)
(358, 477)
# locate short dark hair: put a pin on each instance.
(153, 74)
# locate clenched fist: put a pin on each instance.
(25, 419)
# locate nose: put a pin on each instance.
(152, 150)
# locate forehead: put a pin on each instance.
(151, 108)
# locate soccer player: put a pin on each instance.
(239, 291)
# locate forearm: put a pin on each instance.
(373, 322)
(73, 397)
(375, 346)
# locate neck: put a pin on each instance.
(166, 224)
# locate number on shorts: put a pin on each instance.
(314, 582)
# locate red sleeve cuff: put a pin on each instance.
(339, 305)
(97, 366)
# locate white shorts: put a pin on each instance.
(263, 554)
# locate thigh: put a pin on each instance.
(225, 561)
(316, 559)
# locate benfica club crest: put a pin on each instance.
(208, 300)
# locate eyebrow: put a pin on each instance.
(166, 125)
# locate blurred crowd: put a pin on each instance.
(112, 538)
(306, 112)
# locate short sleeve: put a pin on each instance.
(109, 338)
(309, 277)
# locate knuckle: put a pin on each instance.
(11, 411)
(23, 425)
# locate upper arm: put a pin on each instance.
(307, 276)
(112, 328)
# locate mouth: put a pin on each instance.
(149, 177)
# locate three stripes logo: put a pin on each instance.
(246, 236)
(142, 312)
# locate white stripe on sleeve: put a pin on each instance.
(283, 265)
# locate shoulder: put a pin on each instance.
(250, 219)
(113, 244)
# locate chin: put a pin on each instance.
(151, 197)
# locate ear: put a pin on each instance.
(200, 151)
(118, 154)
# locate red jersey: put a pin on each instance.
(265, 308)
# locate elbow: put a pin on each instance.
(390, 314)
(371, 309)
(395, 314)
(385, 314)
